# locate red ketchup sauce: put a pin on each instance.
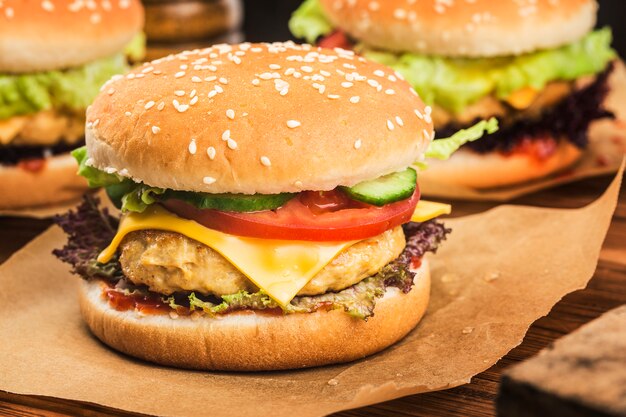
(32, 165)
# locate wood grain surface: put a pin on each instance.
(606, 291)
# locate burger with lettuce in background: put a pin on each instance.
(539, 67)
(54, 57)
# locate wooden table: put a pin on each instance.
(606, 290)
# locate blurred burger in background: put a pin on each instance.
(54, 57)
(535, 65)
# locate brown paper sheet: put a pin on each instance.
(42, 212)
(498, 272)
(607, 146)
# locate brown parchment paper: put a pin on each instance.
(607, 146)
(42, 212)
(498, 272)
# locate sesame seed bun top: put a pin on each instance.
(42, 35)
(257, 118)
(463, 28)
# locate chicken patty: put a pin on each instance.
(42, 129)
(168, 262)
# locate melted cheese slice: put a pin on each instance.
(523, 98)
(281, 268)
(427, 210)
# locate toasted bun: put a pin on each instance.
(248, 341)
(38, 35)
(55, 183)
(463, 28)
(478, 171)
(261, 118)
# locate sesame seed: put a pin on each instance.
(346, 84)
(211, 78)
(179, 74)
(306, 68)
(418, 114)
(355, 99)
(426, 135)
(226, 135)
(149, 105)
(292, 124)
(212, 93)
(193, 101)
(161, 106)
(266, 161)
(379, 73)
(373, 83)
(47, 5)
(357, 144)
(210, 151)
(230, 113)
(208, 180)
(193, 93)
(182, 108)
(334, 96)
(192, 147)
(111, 91)
(223, 81)
(274, 66)
(399, 121)
(390, 92)
(179, 93)
(128, 114)
(196, 79)
(96, 122)
(390, 125)
(231, 143)
(156, 129)
(219, 89)
(256, 82)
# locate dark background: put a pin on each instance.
(266, 20)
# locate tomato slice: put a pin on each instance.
(336, 39)
(311, 216)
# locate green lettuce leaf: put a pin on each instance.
(454, 84)
(445, 147)
(140, 197)
(135, 51)
(72, 90)
(309, 22)
(95, 178)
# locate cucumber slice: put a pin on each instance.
(384, 190)
(231, 202)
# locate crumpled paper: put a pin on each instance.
(607, 146)
(497, 273)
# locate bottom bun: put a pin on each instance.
(494, 169)
(249, 341)
(55, 183)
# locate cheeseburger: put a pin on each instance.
(535, 65)
(270, 215)
(54, 56)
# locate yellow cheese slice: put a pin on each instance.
(281, 268)
(427, 210)
(522, 98)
